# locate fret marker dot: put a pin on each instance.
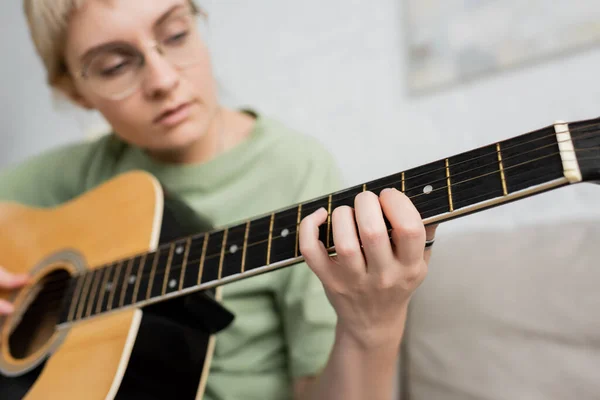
(108, 286)
(233, 249)
(285, 232)
(179, 249)
(132, 279)
(172, 283)
(427, 189)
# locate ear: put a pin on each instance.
(66, 85)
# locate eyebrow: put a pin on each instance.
(111, 45)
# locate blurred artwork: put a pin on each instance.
(453, 41)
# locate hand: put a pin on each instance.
(10, 281)
(370, 288)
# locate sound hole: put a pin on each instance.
(36, 321)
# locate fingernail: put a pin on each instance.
(387, 190)
(6, 308)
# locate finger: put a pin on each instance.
(311, 247)
(408, 231)
(373, 232)
(430, 232)
(11, 281)
(6, 307)
(345, 237)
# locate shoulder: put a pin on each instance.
(291, 143)
(301, 162)
(293, 149)
(57, 175)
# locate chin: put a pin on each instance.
(178, 138)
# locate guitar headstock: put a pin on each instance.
(586, 140)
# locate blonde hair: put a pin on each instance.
(48, 21)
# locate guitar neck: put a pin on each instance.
(445, 189)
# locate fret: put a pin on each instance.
(155, 260)
(118, 283)
(403, 188)
(298, 220)
(172, 280)
(182, 276)
(133, 281)
(245, 249)
(113, 286)
(143, 279)
(531, 159)
(258, 236)
(106, 283)
(475, 177)
(449, 186)
(308, 209)
(84, 293)
(166, 274)
(426, 187)
(124, 284)
(390, 181)
(222, 256)
(233, 250)
(75, 298)
(327, 245)
(161, 270)
(283, 234)
(364, 187)
(193, 262)
(270, 239)
(212, 259)
(203, 257)
(504, 190)
(98, 275)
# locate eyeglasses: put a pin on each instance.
(116, 71)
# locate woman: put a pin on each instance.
(144, 66)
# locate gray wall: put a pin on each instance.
(335, 69)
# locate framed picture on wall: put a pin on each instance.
(451, 41)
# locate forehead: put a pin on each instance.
(101, 21)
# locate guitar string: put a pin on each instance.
(294, 214)
(581, 128)
(122, 281)
(122, 286)
(292, 210)
(178, 267)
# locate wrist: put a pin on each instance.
(383, 337)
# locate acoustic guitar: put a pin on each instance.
(125, 280)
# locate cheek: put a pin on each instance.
(126, 117)
(201, 82)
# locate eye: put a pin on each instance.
(115, 69)
(178, 38)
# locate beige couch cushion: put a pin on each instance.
(511, 314)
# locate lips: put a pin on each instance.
(174, 115)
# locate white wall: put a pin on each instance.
(335, 69)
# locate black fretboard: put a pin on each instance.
(442, 190)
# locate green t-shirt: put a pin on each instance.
(284, 326)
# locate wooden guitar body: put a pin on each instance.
(160, 351)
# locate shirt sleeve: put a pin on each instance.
(308, 317)
(49, 178)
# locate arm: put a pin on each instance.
(369, 288)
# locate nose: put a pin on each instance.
(161, 77)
